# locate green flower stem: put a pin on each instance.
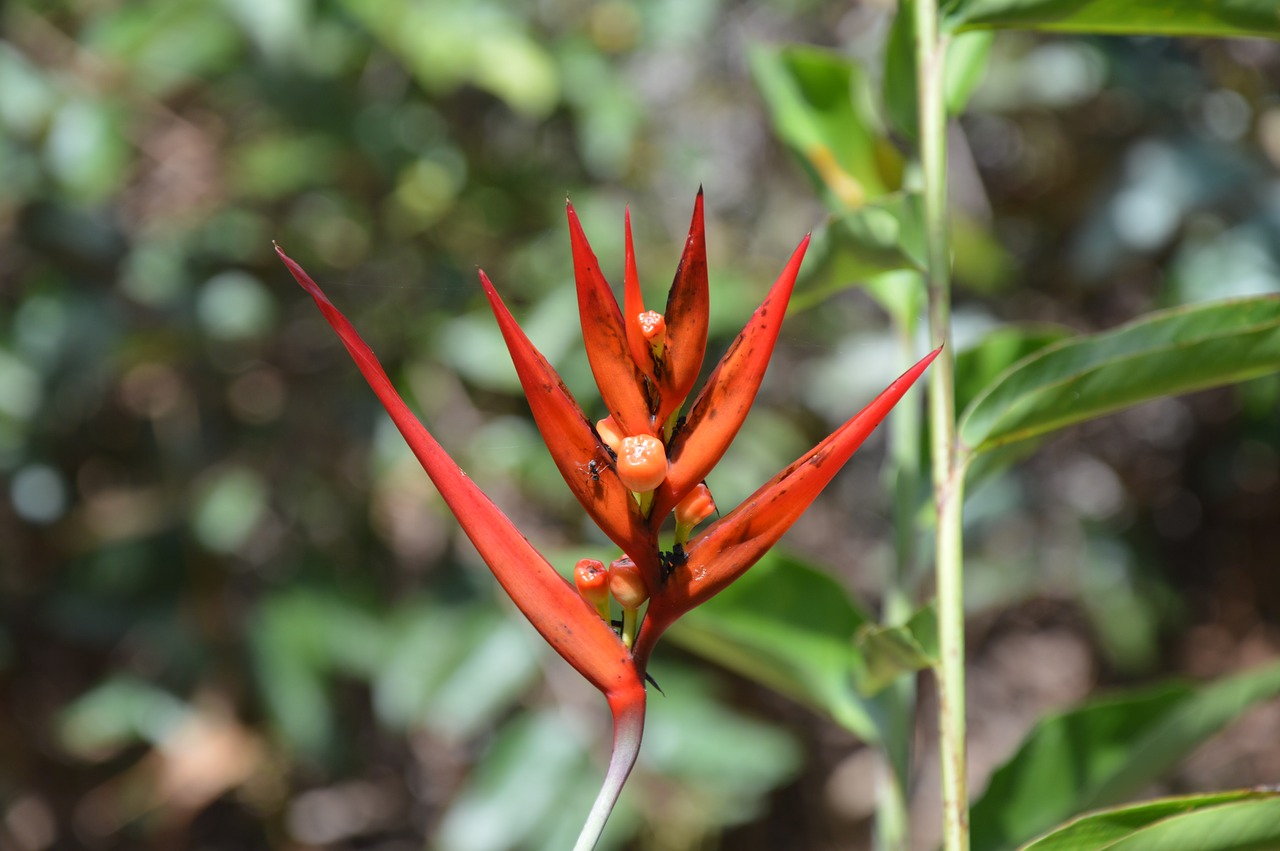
(628, 729)
(948, 476)
(630, 619)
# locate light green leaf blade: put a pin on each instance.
(879, 247)
(977, 369)
(978, 366)
(1219, 821)
(1231, 18)
(821, 107)
(1161, 354)
(790, 627)
(1105, 752)
(893, 651)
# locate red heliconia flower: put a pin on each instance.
(633, 469)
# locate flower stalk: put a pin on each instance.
(948, 476)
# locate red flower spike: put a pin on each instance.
(721, 407)
(687, 319)
(633, 306)
(550, 603)
(728, 547)
(622, 383)
(579, 454)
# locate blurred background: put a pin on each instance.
(235, 613)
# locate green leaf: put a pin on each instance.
(514, 794)
(117, 713)
(1241, 820)
(966, 62)
(978, 366)
(977, 369)
(790, 627)
(1105, 752)
(879, 247)
(1161, 354)
(892, 651)
(821, 107)
(1121, 17)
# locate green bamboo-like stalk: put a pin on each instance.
(948, 478)
(898, 700)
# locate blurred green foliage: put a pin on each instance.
(235, 613)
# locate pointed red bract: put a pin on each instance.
(550, 603)
(580, 455)
(687, 319)
(621, 382)
(721, 407)
(731, 545)
(633, 306)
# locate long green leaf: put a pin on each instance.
(1121, 17)
(1104, 753)
(790, 627)
(1243, 820)
(1162, 354)
(977, 369)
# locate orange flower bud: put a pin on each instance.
(692, 510)
(592, 581)
(627, 585)
(609, 432)
(654, 328)
(642, 462)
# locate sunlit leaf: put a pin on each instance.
(514, 795)
(820, 105)
(790, 627)
(1106, 752)
(879, 247)
(1121, 17)
(1221, 821)
(1162, 354)
(980, 365)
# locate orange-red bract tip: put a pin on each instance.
(722, 406)
(620, 380)
(633, 306)
(580, 456)
(728, 547)
(687, 316)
